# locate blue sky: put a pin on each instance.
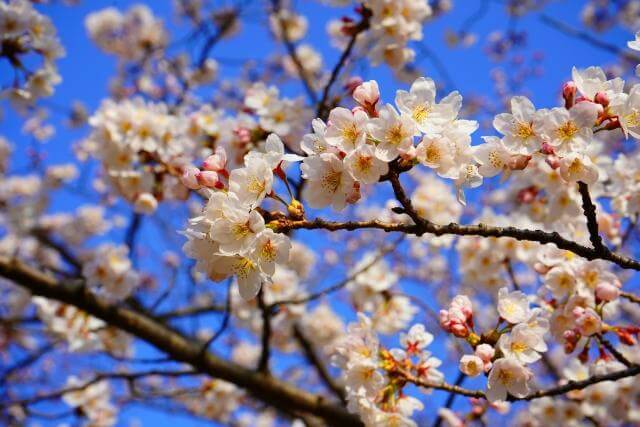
(86, 72)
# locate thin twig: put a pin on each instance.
(363, 25)
(619, 356)
(589, 210)
(341, 284)
(321, 369)
(225, 319)
(293, 54)
(589, 38)
(263, 363)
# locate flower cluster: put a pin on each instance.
(82, 332)
(606, 402)
(92, 400)
(110, 272)
(504, 352)
(392, 26)
(580, 295)
(375, 376)
(24, 35)
(230, 237)
(217, 400)
(355, 147)
(286, 117)
(142, 148)
(131, 36)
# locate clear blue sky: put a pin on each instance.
(86, 72)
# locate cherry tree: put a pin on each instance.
(284, 245)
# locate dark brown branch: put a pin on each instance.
(512, 274)
(191, 311)
(222, 30)
(179, 347)
(225, 319)
(631, 297)
(589, 210)
(66, 254)
(553, 391)
(129, 377)
(263, 363)
(482, 230)
(619, 356)
(405, 201)
(27, 361)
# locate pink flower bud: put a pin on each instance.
(367, 94)
(463, 303)
(569, 94)
(553, 161)
(208, 179)
(540, 268)
(547, 148)
(601, 98)
(216, 162)
(189, 178)
(459, 330)
(354, 195)
(607, 292)
(518, 162)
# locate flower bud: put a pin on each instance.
(587, 321)
(518, 162)
(295, 209)
(601, 98)
(607, 291)
(189, 178)
(367, 94)
(553, 161)
(569, 94)
(570, 341)
(547, 148)
(216, 162)
(625, 337)
(208, 179)
(527, 195)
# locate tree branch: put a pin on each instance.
(482, 230)
(182, 349)
(589, 210)
(322, 111)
